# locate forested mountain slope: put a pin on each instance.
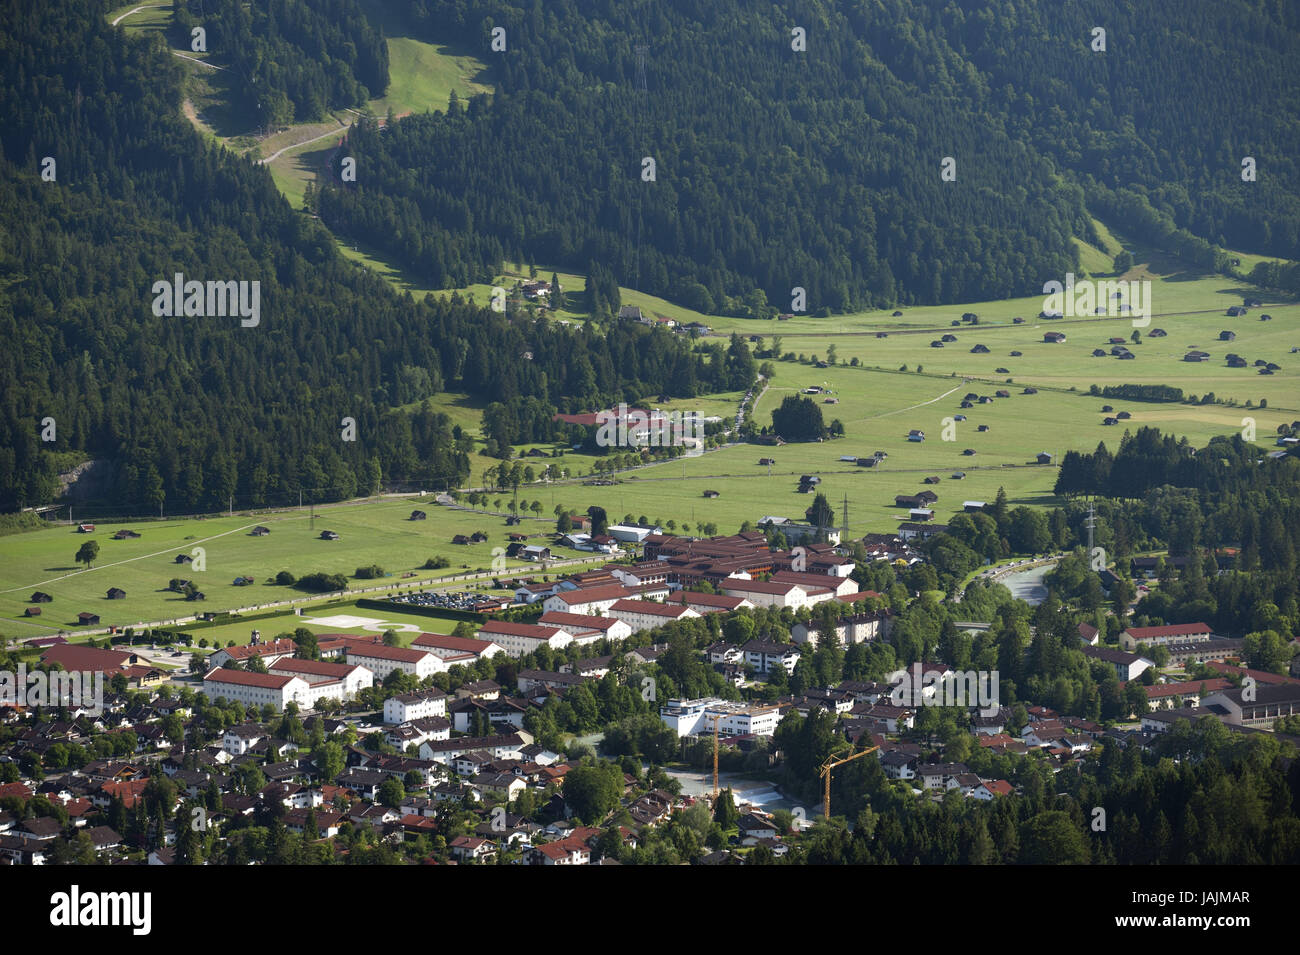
(293, 58)
(192, 410)
(821, 168)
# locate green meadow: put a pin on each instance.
(370, 532)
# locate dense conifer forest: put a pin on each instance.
(776, 168)
(293, 59)
(192, 411)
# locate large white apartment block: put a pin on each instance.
(255, 689)
(709, 603)
(516, 639)
(765, 594)
(839, 586)
(586, 628)
(646, 572)
(588, 600)
(415, 706)
(381, 660)
(342, 681)
(695, 717)
(456, 648)
(1139, 639)
(646, 614)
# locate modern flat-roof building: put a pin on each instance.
(693, 717)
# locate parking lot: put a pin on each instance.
(446, 600)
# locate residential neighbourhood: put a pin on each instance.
(699, 653)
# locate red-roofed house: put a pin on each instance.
(563, 852)
(269, 652)
(991, 789)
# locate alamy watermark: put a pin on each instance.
(77, 689)
(208, 300)
(1111, 297)
(964, 688)
(634, 428)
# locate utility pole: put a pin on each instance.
(1092, 523)
(844, 527)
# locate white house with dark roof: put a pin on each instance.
(765, 655)
(415, 706)
(1128, 666)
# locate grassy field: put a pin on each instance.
(371, 532)
(422, 75)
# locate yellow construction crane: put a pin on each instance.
(830, 764)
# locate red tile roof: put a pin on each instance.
(242, 678)
(74, 656)
(651, 608)
(1172, 630)
(443, 641)
(314, 667)
(593, 594)
(249, 650)
(378, 651)
(574, 622)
